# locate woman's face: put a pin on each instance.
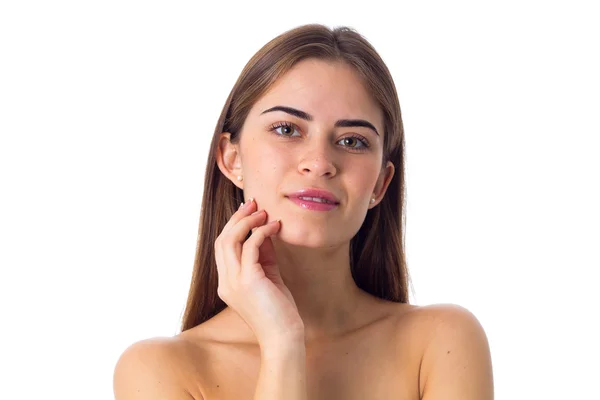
(281, 153)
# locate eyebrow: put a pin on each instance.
(342, 123)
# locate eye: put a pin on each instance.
(358, 139)
(287, 127)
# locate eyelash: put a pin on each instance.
(364, 141)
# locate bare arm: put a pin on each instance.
(282, 372)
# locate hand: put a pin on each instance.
(249, 278)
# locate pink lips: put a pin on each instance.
(309, 204)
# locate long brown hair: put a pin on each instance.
(377, 256)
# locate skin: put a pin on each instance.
(312, 247)
(356, 345)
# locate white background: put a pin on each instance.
(106, 113)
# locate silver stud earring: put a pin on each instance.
(239, 178)
(372, 201)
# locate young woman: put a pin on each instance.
(300, 284)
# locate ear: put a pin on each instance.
(385, 177)
(229, 159)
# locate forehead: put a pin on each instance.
(327, 90)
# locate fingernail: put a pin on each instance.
(250, 200)
(241, 205)
(256, 212)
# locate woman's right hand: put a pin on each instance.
(249, 278)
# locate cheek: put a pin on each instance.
(363, 176)
(269, 162)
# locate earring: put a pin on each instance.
(372, 201)
(239, 178)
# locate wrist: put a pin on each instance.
(284, 349)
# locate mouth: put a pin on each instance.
(314, 203)
(316, 199)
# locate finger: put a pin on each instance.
(251, 248)
(244, 210)
(221, 270)
(232, 242)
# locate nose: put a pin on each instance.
(317, 163)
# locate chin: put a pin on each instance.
(306, 236)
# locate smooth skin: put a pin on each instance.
(249, 278)
(276, 160)
(288, 287)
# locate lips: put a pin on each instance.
(320, 195)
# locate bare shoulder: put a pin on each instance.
(435, 314)
(456, 361)
(152, 369)
(431, 319)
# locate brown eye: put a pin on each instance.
(349, 141)
(287, 129)
(359, 142)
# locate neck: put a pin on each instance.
(328, 299)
